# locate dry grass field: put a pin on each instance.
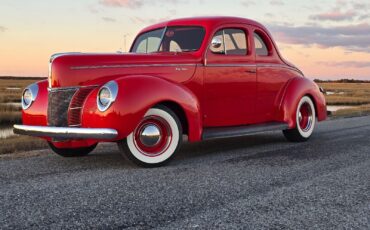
(10, 94)
(10, 113)
(348, 94)
(354, 94)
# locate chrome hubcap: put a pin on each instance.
(305, 117)
(150, 135)
(300, 116)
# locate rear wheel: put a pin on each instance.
(305, 120)
(155, 139)
(72, 152)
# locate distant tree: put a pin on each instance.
(343, 80)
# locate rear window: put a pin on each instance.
(260, 45)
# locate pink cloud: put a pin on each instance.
(351, 64)
(334, 16)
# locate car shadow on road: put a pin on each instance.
(228, 144)
(107, 155)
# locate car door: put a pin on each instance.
(272, 77)
(230, 78)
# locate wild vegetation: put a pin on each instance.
(347, 93)
(10, 113)
(355, 94)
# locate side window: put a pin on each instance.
(260, 45)
(174, 47)
(234, 42)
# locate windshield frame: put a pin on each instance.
(165, 29)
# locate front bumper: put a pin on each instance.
(66, 132)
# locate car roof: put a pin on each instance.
(207, 22)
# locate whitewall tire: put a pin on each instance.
(305, 117)
(155, 139)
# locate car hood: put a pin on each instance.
(80, 69)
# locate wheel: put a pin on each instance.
(155, 139)
(305, 120)
(72, 152)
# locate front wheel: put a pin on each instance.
(305, 121)
(72, 152)
(155, 139)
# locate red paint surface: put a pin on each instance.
(210, 95)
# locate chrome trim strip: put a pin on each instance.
(75, 108)
(72, 87)
(253, 65)
(128, 66)
(232, 65)
(280, 66)
(65, 132)
(77, 125)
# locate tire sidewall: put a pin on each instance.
(176, 131)
(306, 134)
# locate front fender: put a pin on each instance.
(136, 95)
(36, 114)
(295, 90)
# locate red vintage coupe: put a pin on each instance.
(203, 78)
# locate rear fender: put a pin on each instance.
(295, 90)
(136, 95)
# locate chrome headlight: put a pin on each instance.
(29, 95)
(107, 95)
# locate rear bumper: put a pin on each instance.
(66, 132)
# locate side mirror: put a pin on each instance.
(216, 42)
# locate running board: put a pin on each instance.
(236, 131)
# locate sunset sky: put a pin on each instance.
(326, 39)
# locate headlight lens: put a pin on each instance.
(29, 95)
(107, 95)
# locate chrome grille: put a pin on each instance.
(75, 109)
(58, 104)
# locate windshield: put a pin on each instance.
(170, 39)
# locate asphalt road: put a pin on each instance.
(253, 182)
